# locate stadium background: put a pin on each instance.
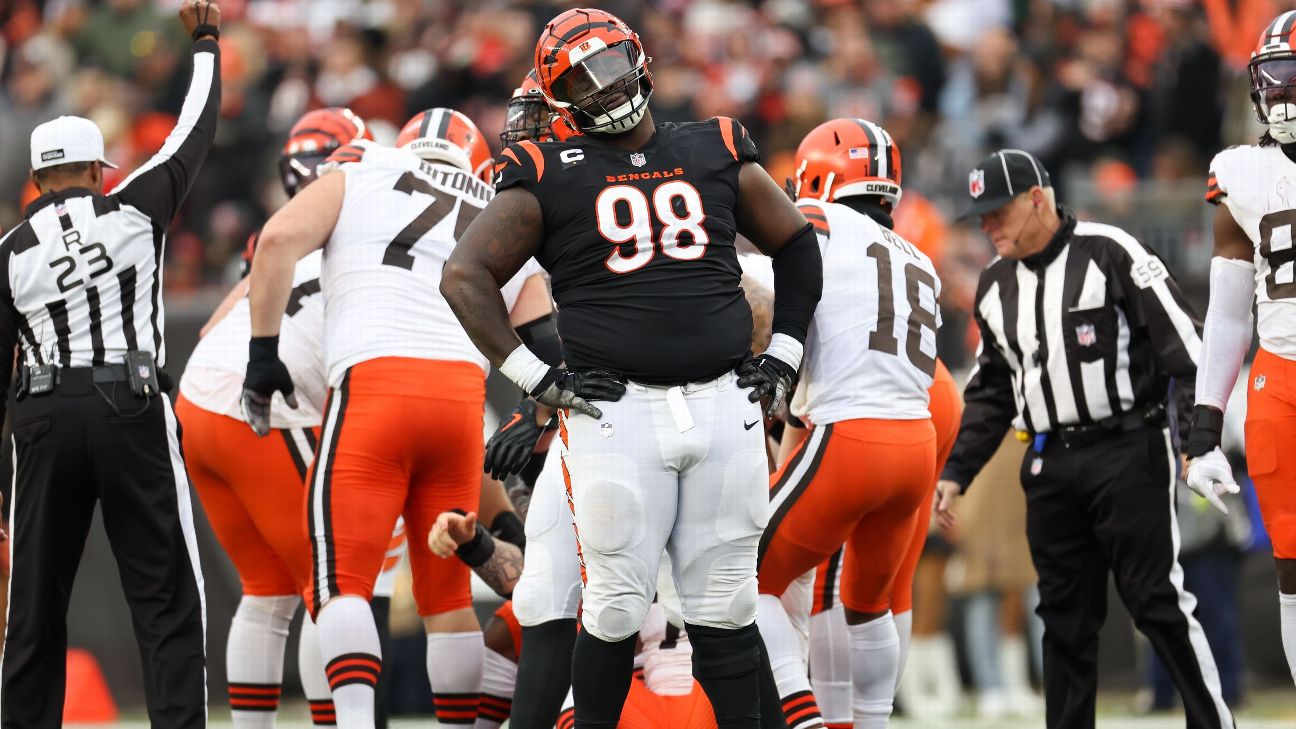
(1124, 100)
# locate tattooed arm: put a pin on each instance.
(503, 570)
(495, 246)
(497, 562)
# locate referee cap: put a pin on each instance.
(65, 140)
(997, 179)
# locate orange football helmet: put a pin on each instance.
(593, 70)
(527, 115)
(845, 157)
(312, 139)
(445, 135)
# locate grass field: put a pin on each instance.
(1268, 709)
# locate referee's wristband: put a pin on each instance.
(206, 29)
(524, 368)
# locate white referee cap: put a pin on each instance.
(67, 139)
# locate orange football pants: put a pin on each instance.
(858, 482)
(253, 490)
(1271, 461)
(646, 710)
(401, 436)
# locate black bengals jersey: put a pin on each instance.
(640, 248)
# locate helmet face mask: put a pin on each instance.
(1273, 93)
(315, 136)
(527, 117)
(594, 72)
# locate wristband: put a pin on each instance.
(206, 29)
(1204, 434)
(525, 369)
(476, 551)
(785, 349)
(263, 348)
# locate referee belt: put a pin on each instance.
(78, 380)
(1076, 436)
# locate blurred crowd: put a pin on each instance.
(1109, 92)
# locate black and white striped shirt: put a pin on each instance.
(1091, 327)
(81, 276)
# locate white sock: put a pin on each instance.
(499, 676)
(310, 670)
(830, 665)
(875, 659)
(904, 628)
(352, 658)
(254, 658)
(1287, 617)
(784, 648)
(454, 666)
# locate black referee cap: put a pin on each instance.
(997, 179)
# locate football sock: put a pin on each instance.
(726, 662)
(499, 674)
(310, 669)
(254, 658)
(544, 673)
(771, 705)
(601, 674)
(352, 658)
(875, 656)
(830, 666)
(784, 646)
(454, 667)
(904, 628)
(1287, 617)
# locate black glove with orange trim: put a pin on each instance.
(512, 443)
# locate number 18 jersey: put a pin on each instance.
(871, 349)
(1258, 184)
(381, 273)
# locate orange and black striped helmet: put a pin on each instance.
(312, 139)
(527, 115)
(593, 69)
(1273, 78)
(846, 157)
(445, 135)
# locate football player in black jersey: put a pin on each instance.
(635, 223)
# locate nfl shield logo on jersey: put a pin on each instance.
(1086, 335)
(1259, 382)
(1037, 465)
(638, 159)
(976, 182)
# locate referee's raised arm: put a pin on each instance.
(159, 186)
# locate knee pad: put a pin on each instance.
(618, 619)
(722, 652)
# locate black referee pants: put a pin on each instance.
(1106, 506)
(74, 447)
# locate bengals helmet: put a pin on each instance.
(312, 139)
(846, 157)
(445, 135)
(1273, 78)
(527, 115)
(593, 70)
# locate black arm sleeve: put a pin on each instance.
(798, 284)
(159, 186)
(989, 407)
(541, 337)
(9, 323)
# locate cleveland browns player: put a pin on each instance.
(635, 223)
(403, 424)
(251, 488)
(867, 465)
(1254, 260)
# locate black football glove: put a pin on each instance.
(767, 376)
(1207, 425)
(563, 388)
(510, 447)
(266, 375)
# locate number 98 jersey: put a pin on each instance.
(381, 273)
(639, 246)
(1258, 184)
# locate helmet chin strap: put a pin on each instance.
(1282, 123)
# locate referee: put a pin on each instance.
(80, 282)
(1083, 331)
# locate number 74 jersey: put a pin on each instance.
(871, 349)
(1258, 184)
(381, 273)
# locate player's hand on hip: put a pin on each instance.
(1211, 476)
(564, 388)
(451, 530)
(200, 17)
(264, 378)
(767, 376)
(947, 494)
(510, 447)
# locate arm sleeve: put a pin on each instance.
(9, 324)
(988, 411)
(159, 186)
(798, 284)
(1156, 307)
(1226, 337)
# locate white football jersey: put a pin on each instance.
(381, 274)
(1258, 184)
(213, 377)
(871, 349)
